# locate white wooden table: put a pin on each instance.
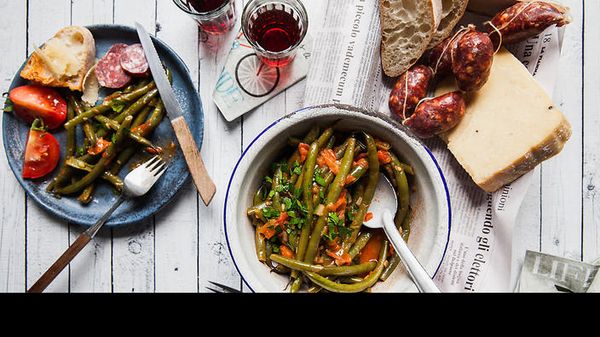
(183, 247)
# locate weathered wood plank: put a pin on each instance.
(133, 246)
(176, 236)
(221, 149)
(591, 163)
(562, 175)
(12, 206)
(91, 270)
(47, 236)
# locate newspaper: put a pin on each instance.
(346, 68)
(553, 274)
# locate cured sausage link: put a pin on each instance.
(437, 115)
(409, 90)
(472, 59)
(526, 19)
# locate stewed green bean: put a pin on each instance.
(308, 214)
(107, 105)
(369, 193)
(368, 281)
(357, 269)
(332, 196)
(100, 167)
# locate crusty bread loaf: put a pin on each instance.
(407, 27)
(452, 12)
(64, 60)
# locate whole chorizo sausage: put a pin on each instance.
(409, 90)
(526, 19)
(472, 59)
(437, 115)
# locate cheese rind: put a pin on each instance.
(511, 125)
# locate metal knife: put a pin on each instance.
(202, 180)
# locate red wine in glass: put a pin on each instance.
(204, 6)
(275, 30)
(213, 16)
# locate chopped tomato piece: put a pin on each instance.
(349, 180)
(268, 229)
(368, 216)
(340, 258)
(99, 147)
(303, 149)
(34, 101)
(286, 251)
(371, 250)
(362, 162)
(339, 204)
(327, 158)
(384, 157)
(361, 156)
(141, 129)
(42, 152)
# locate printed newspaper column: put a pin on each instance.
(347, 68)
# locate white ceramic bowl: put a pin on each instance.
(430, 228)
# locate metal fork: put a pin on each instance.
(224, 288)
(137, 183)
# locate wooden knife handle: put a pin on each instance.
(60, 264)
(204, 185)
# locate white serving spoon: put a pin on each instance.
(382, 205)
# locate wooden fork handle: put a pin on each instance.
(60, 264)
(204, 185)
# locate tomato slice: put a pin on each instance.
(34, 101)
(42, 152)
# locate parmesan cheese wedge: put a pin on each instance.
(511, 125)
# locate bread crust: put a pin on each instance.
(449, 22)
(392, 65)
(36, 69)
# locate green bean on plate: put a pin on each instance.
(308, 211)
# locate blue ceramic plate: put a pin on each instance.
(68, 208)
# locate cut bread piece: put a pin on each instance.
(511, 125)
(64, 60)
(407, 27)
(452, 12)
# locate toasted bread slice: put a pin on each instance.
(452, 12)
(64, 60)
(407, 27)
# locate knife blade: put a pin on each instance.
(204, 184)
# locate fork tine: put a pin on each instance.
(226, 288)
(151, 161)
(156, 165)
(159, 171)
(214, 290)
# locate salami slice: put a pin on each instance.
(133, 60)
(109, 72)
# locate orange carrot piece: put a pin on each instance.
(371, 251)
(384, 157)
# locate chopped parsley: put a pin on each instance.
(319, 178)
(117, 105)
(270, 212)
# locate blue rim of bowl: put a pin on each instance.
(177, 188)
(344, 107)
